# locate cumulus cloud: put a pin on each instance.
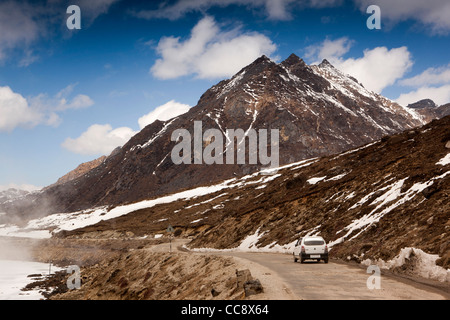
(24, 187)
(433, 83)
(377, 69)
(382, 67)
(24, 23)
(209, 52)
(93, 9)
(103, 139)
(99, 140)
(18, 111)
(431, 76)
(50, 106)
(15, 111)
(432, 13)
(165, 112)
(329, 49)
(440, 95)
(273, 9)
(61, 101)
(28, 58)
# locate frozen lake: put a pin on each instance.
(14, 277)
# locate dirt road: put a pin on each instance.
(281, 278)
(285, 279)
(337, 281)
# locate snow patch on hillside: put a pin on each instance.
(316, 180)
(417, 262)
(15, 276)
(249, 244)
(392, 198)
(444, 161)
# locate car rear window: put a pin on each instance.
(314, 242)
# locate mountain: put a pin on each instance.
(425, 103)
(317, 109)
(368, 203)
(430, 110)
(373, 202)
(12, 194)
(81, 170)
(443, 111)
(10, 197)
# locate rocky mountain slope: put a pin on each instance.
(12, 194)
(372, 202)
(368, 203)
(80, 171)
(318, 111)
(423, 104)
(443, 110)
(429, 110)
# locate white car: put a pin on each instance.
(313, 248)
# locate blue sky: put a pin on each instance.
(69, 96)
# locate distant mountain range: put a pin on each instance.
(11, 195)
(318, 110)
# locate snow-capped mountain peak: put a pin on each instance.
(317, 109)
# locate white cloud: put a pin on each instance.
(433, 83)
(18, 26)
(432, 13)
(80, 101)
(24, 23)
(61, 101)
(440, 95)
(272, 9)
(24, 187)
(382, 67)
(209, 52)
(103, 139)
(99, 140)
(278, 9)
(17, 111)
(165, 112)
(329, 49)
(377, 69)
(431, 76)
